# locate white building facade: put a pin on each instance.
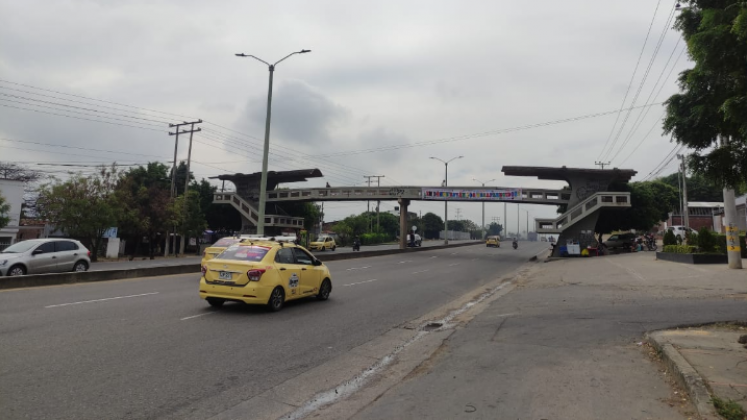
(12, 192)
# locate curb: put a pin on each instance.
(537, 256)
(687, 377)
(53, 279)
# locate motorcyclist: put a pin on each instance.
(515, 243)
(356, 243)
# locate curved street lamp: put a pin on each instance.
(446, 203)
(263, 179)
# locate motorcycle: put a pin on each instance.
(515, 245)
(356, 246)
(651, 244)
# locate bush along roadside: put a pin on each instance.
(681, 249)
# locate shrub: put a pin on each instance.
(681, 249)
(669, 238)
(721, 241)
(374, 238)
(706, 240)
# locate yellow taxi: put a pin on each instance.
(494, 241)
(323, 243)
(215, 249)
(264, 273)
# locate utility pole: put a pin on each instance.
(446, 202)
(378, 202)
(174, 168)
(733, 248)
(685, 206)
(505, 220)
(191, 132)
(518, 221)
(484, 231)
(602, 164)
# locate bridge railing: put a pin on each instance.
(583, 209)
(251, 213)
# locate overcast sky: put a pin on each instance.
(385, 73)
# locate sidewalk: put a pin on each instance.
(710, 361)
(567, 343)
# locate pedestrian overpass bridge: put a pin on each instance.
(584, 197)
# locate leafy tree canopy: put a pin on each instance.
(713, 101)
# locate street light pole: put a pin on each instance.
(265, 154)
(483, 206)
(446, 203)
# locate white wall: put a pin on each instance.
(12, 191)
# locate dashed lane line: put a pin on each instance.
(99, 300)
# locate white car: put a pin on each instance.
(680, 232)
(39, 256)
(416, 241)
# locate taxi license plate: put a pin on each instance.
(224, 275)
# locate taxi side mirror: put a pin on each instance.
(317, 263)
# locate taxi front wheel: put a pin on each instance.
(215, 302)
(324, 290)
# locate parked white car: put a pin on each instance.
(416, 241)
(680, 232)
(38, 256)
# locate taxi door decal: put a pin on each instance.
(293, 283)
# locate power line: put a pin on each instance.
(78, 118)
(643, 80)
(476, 135)
(92, 99)
(632, 78)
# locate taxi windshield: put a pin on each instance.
(244, 253)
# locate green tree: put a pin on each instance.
(4, 212)
(190, 218)
(650, 201)
(310, 213)
(713, 101)
(698, 187)
(83, 207)
(495, 229)
(147, 205)
(433, 224)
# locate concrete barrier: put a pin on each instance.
(331, 256)
(37, 280)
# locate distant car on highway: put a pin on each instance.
(323, 243)
(493, 241)
(38, 256)
(264, 273)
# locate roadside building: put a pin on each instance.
(701, 214)
(12, 191)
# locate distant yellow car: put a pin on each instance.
(218, 247)
(323, 243)
(264, 273)
(494, 241)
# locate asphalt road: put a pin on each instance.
(192, 259)
(151, 349)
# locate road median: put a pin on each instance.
(52, 279)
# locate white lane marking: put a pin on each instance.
(358, 268)
(454, 253)
(359, 282)
(100, 300)
(418, 272)
(196, 316)
(407, 261)
(434, 257)
(451, 265)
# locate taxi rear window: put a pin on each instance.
(226, 242)
(244, 253)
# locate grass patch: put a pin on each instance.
(729, 409)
